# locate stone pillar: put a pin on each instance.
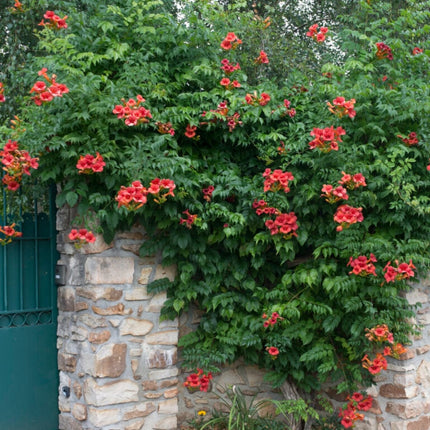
(117, 361)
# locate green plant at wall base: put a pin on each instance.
(252, 167)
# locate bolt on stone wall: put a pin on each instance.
(117, 361)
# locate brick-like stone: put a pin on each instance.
(392, 391)
(153, 395)
(169, 394)
(423, 349)
(103, 417)
(423, 373)
(135, 425)
(169, 383)
(99, 293)
(406, 410)
(169, 337)
(167, 407)
(118, 309)
(77, 389)
(110, 360)
(415, 296)
(131, 247)
(145, 275)
(67, 422)
(66, 362)
(157, 375)
(132, 235)
(422, 423)
(141, 410)
(81, 306)
(112, 393)
(150, 385)
(162, 358)
(109, 270)
(99, 337)
(92, 321)
(135, 327)
(139, 293)
(79, 411)
(168, 423)
(66, 299)
(157, 302)
(96, 247)
(410, 353)
(168, 272)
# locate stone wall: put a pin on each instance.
(118, 363)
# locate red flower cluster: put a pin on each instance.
(285, 224)
(231, 41)
(333, 195)
(229, 85)
(55, 22)
(362, 265)
(2, 97)
(17, 7)
(341, 107)
(228, 67)
(262, 58)
(16, 163)
(189, 220)
(261, 208)
(135, 196)
(346, 216)
(353, 181)
(278, 180)
(410, 140)
(81, 236)
(198, 381)
(395, 350)
(273, 351)
(165, 128)
(233, 121)
(291, 112)
(379, 333)
(383, 51)
(417, 51)
(160, 189)
(45, 94)
(190, 131)
(376, 365)
(349, 414)
(131, 110)
(89, 164)
(326, 139)
(207, 193)
(319, 36)
(254, 100)
(9, 233)
(402, 271)
(272, 320)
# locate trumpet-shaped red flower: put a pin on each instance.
(379, 363)
(81, 237)
(132, 111)
(342, 107)
(261, 208)
(326, 139)
(273, 351)
(353, 181)
(379, 333)
(285, 224)
(132, 197)
(189, 220)
(45, 93)
(346, 216)
(277, 180)
(190, 131)
(207, 193)
(262, 58)
(333, 195)
(254, 100)
(383, 51)
(402, 271)
(2, 97)
(89, 164)
(54, 21)
(410, 140)
(228, 67)
(362, 265)
(231, 41)
(16, 163)
(318, 36)
(417, 51)
(161, 189)
(198, 381)
(9, 233)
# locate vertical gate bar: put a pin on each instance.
(21, 260)
(36, 256)
(5, 254)
(53, 242)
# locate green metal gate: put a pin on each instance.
(28, 315)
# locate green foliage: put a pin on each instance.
(229, 265)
